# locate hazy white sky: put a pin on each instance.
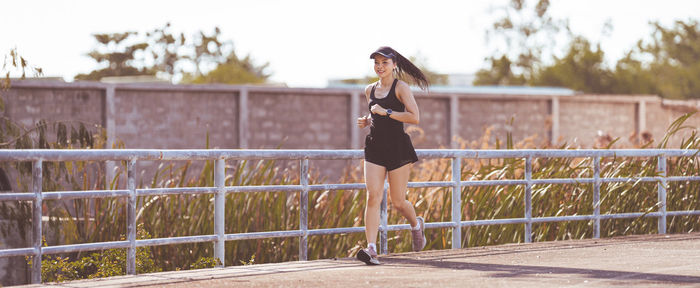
(309, 42)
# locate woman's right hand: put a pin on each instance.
(364, 121)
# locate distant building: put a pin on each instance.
(460, 79)
(462, 83)
(133, 79)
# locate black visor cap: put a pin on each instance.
(384, 51)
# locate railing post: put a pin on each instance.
(528, 199)
(220, 211)
(661, 192)
(383, 222)
(456, 203)
(243, 127)
(37, 221)
(596, 197)
(304, 209)
(131, 218)
(109, 122)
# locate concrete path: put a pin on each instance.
(639, 261)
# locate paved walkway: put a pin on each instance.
(639, 261)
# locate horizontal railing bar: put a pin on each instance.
(683, 213)
(430, 184)
(436, 225)
(17, 196)
(174, 191)
(349, 186)
(682, 178)
(263, 154)
(522, 153)
(84, 247)
(261, 235)
(84, 194)
(263, 188)
(629, 215)
(630, 180)
(318, 187)
(492, 182)
(493, 222)
(562, 218)
(563, 181)
(16, 252)
(328, 231)
(175, 240)
(297, 188)
(398, 227)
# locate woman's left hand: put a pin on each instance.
(376, 109)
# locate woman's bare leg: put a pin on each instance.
(374, 178)
(398, 181)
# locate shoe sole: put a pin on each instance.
(422, 228)
(364, 257)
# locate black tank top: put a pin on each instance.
(383, 125)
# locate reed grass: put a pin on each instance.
(166, 216)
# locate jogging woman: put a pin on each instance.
(388, 149)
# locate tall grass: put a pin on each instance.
(180, 215)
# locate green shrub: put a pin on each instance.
(107, 263)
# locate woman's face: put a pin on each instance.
(383, 66)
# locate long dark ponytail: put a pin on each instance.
(404, 66)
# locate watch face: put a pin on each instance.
(388, 111)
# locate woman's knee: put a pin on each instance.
(374, 198)
(401, 204)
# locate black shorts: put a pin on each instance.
(390, 151)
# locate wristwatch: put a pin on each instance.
(388, 112)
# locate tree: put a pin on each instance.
(676, 59)
(233, 71)
(667, 65)
(521, 37)
(582, 69)
(632, 77)
(118, 57)
(500, 72)
(173, 57)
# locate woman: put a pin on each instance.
(388, 149)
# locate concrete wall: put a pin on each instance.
(180, 116)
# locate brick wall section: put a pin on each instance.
(28, 106)
(298, 121)
(434, 122)
(660, 117)
(176, 120)
(529, 118)
(178, 117)
(657, 115)
(581, 120)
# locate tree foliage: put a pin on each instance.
(667, 64)
(676, 59)
(581, 69)
(118, 57)
(521, 37)
(175, 57)
(233, 71)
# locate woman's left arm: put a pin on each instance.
(411, 115)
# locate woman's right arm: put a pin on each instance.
(366, 120)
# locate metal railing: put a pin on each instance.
(220, 191)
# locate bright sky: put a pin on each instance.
(308, 42)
